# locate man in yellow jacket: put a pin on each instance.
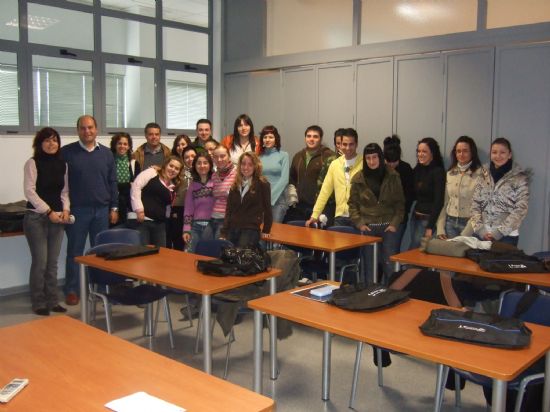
(338, 181)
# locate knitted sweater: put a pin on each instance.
(199, 203)
(275, 170)
(220, 191)
(92, 176)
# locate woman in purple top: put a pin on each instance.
(199, 201)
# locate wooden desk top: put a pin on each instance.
(397, 329)
(317, 239)
(75, 367)
(11, 234)
(467, 266)
(174, 269)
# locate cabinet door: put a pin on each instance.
(374, 87)
(236, 100)
(522, 115)
(419, 101)
(265, 99)
(469, 98)
(299, 107)
(336, 99)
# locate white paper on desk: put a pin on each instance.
(142, 402)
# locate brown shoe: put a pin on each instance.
(72, 299)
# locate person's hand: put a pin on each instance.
(488, 236)
(187, 237)
(310, 221)
(364, 228)
(428, 233)
(55, 217)
(442, 236)
(391, 228)
(113, 217)
(65, 216)
(266, 235)
(140, 216)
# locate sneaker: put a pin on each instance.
(58, 309)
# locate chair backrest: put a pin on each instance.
(539, 312)
(118, 235)
(299, 223)
(102, 277)
(211, 248)
(348, 254)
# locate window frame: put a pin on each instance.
(25, 51)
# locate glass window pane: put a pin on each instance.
(186, 96)
(186, 11)
(388, 20)
(53, 26)
(295, 26)
(127, 37)
(141, 7)
(9, 23)
(9, 90)
(185, 46)
(62, 90)
(131, 103)
(503, 13)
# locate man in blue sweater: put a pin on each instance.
(93, 194)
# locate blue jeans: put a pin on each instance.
(197, 233)
(214, 228)
(88, 221)
(152, 232)
(418, 228)
(388, 247)
(455, 225)
(279, 208)
(44, 239)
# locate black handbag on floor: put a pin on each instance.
(367, 299)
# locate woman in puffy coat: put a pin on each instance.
(462, 176)
(501, 196)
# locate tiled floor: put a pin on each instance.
(408, 383)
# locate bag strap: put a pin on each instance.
(526, 301)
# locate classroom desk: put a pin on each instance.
(397, 329)
(323, 240)
(75, 367)
(463, 265)
(177, 270)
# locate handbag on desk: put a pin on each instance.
(479, 328)
(236, 261)
(367, 299)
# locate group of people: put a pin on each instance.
(235, 189)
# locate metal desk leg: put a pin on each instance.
(546, 397)
(258, 349)
(207, 334)
(83, 294)
(273, 334)
(327, 341)
(375, 262)
(332, 266)
(498, 403)
(442, 373)
(397, 266)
